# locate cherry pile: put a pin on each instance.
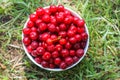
(54, 37)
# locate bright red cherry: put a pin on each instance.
(75, 20)
(65, 53)
(73, 28)
(70, 33)
(45, 64)
(34, 44)
(33, 17)
(60, 8)
(68, 45)
(40, 11)
(44, 45)
(58, 47)
(46, 56)
(33, 35)
(46, 18)
(26, 31)
(49, 41)
(62, 27)
(59, 18)
(63, 33)
(38, 60)
(79, 52)
(55, 54)
(30, 24)
(53, 20)
(42, 27)
(38, 21)
(81, 23)
(51, 48)
(72, 52)
(72, 40)
(26, 40)
(80, 30)
(34, 53)
(33, 29)
(76, 46)
(68, 20)
(40, 50)
(29, 48)
(57, 29)
(45, 36)
(62, 41)
(53, 37)
(84, 36)
(57, 61)
(78, 37)
(53, 9)
(63, 65)
(51, 28)
(68, 61)
(66, 13)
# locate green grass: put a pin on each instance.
(102, 61)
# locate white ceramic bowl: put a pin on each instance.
(58, 69)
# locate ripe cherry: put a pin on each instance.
(26, 40)
(57, 61)
(65, 53)
(30, 24)
(33, 17)
(79, 52)
(62, 41)
(68, 61)
(40, 50)
(33, 35)
(26, 31)
(40, 11)
(46, 18)
(63, 65)
(46, 56)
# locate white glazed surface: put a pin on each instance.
(58, 69)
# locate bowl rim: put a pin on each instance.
(85, 50)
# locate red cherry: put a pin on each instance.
(70, 33)
(53, 20)
(76, 46)
(72, 40)
(45, 36)
(52, 66)
(26, 31)
(75, 59)
(68, 45)
(51, 48)
(46, 18)
(73, 28)
(65, 53)
(80, 30)
(68, 61)
(62, 41)
(40, 11)
(33, 35)
(78, 37)
(66, 13)
(30, 24)
(84, 36)
(81, 23)
(59, 18)
(72, 52)
(34, 53)
(51, 28)
(45, 64)
(38, 60)
(83, 44)
(75, 20)
(44, 45)
(60, 8)
(62, 27)
(34, 44)
(68, 20)
(33, 17)
(49, 41)
(38, 21)
(57, 29)
(79, 52)
(40, 50)
(47, 11)
(58, 47)
(42, 27)
(57, 61)
(53, 37)
(55, 54)
(26, 40)
(33, 29)
(63, 65)
(51, 61)
(46, 56)
(53, 9)
(29, 48)
(63, 33)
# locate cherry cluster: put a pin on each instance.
(54, 37)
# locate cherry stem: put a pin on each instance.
(59, 37)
